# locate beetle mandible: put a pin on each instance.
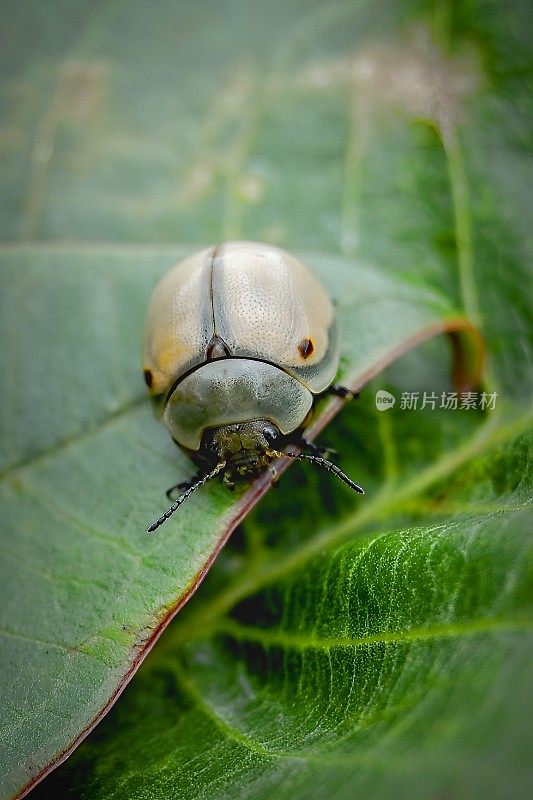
(240, 340)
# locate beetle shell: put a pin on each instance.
(259, 309)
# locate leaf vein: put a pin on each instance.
(277, 638)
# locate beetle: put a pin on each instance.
(240, 339)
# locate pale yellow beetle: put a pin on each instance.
(239, 341)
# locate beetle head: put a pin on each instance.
(243, 446)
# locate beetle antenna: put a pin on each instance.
(329, 466)
(181, 499)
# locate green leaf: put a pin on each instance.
(313, 663)
(393, 665)
(85, 590)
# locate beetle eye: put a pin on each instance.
(270, 433)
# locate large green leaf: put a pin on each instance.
(393, 665)
(85, 591)
(310, 664)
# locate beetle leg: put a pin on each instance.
(184, 485)
(229, 483)
(275, 476)
(342, 391)
(317, 450)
